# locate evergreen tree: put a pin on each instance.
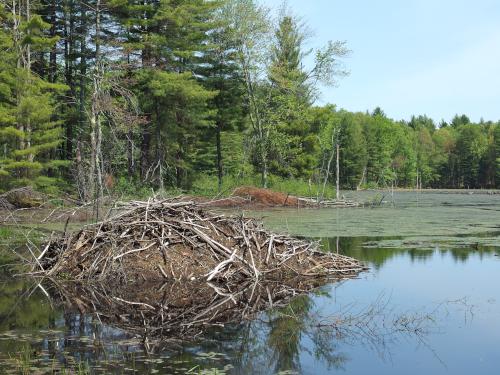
(292, 90)
(471, 147)
(424, 147)
(165, 43)
(380, 142)
(458, 121)
(496, 159)
(29, 130)
(289, 102)
(404, 157)
(443, 161)
(353, 156)
(221, 74)
(419, 122)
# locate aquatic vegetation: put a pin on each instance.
(474, 243)
(408, 217)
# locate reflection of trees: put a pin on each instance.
(285, 332)
(271, 343)
(17, 312)
(356, 247)
(287, 329)
(275, 340)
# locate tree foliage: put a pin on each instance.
(160, 93)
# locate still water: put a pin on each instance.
(430, 304)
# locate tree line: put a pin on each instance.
(162, 93)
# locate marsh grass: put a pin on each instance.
(25, 362)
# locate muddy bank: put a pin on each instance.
(249, 196)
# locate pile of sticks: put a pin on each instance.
(172, 240)
(341, 203)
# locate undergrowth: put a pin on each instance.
(207, 186)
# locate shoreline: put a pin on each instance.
(432, 190)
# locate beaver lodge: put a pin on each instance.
(237, 266)
(253, 197)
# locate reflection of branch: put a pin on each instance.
(461, 303)
(172, 311)
(377, 326)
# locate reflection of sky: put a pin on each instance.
(422, 286)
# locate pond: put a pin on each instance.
(430, 303)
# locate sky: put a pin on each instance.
(411, 57)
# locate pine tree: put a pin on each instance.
(496, 160)
(29, 130)
(165, 44)
(444, 159)
(471, 147)
(9, 132)
(379, 135)
(353, 151)
(222, 74)
(287, 113)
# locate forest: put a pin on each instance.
(104, 96)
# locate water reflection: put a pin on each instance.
(372, 251)
(285, 330)
(86, 329)
(439, 297)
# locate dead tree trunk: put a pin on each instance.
(337, 192)
(96, 166)
(327, 172)
(219, 154)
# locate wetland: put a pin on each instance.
(430, 303)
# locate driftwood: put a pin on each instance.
(171, 240)
(334, 203)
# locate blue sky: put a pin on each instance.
(433, 57)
